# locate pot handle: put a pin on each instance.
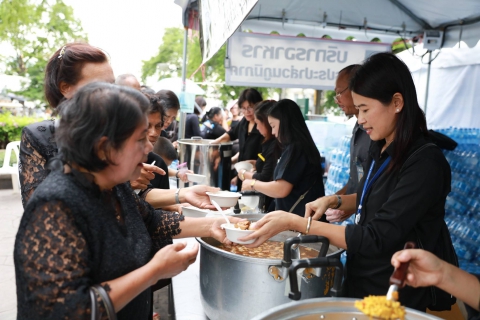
(295, 294)
(287, 248)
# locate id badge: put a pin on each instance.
(359, 171)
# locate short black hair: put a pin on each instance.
(213, 112)
(168, 99)
(349, 71)
(147, 89)
(165, 149)
(98, 110)
(251, 95)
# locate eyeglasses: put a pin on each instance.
(168, 118)
(339, 95)
(249, 109)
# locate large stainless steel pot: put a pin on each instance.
(328, 308)
(211, 160)
(238, 287)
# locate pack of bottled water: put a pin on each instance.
(339, 169)
(462, 208)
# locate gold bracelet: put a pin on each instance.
(253, 184)
(242, 174)
(309, 224)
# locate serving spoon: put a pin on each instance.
(215, 204)
(397, 280)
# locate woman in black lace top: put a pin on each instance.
(84, 225)
(70, 68)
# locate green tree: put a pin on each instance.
(168, 63)
(35, 29)
(400, 45)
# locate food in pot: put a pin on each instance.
(243, 225)
(269, 250)
(381, 308)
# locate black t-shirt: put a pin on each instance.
(234, 123)
(250, 144)
(359, 145)
(396, 203)
(294, 167)
(213, 130)
(159, 182)
(266, 167)
(192, 126)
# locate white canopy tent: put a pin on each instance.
(453, 83)
(459, 19)
(453, 86)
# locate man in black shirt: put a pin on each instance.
(359, 143)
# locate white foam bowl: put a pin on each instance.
(233, 233)
(239, 166)
(197, 178)
(195, 212)
(225, 199)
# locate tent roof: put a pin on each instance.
(404, 17)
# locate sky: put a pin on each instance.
(129, 30)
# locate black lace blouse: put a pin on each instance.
(37, 147)
(72, 236)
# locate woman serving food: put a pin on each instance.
(402, 196)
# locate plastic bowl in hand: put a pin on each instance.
(194, 212)
(197, 178)
(239, 166)
(225, 199)
(234, 233)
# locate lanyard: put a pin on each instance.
(368, 184)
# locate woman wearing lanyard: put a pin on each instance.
(402, 196)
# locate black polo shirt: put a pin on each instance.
(250, 144)
(359, 145)
(159, 182)
(397, 203)
(293, 167)
(266, 166)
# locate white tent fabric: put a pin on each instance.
(379, 15)
(454, 85)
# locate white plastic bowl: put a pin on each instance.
(195, 212)
(233, 233)
(239, 166)
(197, 178)
(225, 199)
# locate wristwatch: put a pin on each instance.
(242, 174)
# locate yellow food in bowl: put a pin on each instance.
(381, 308)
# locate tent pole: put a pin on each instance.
(428, 81)
(183, 115)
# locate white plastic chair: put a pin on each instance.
(12, 169)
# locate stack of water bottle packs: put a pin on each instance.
(462, 210)
(339, 169)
